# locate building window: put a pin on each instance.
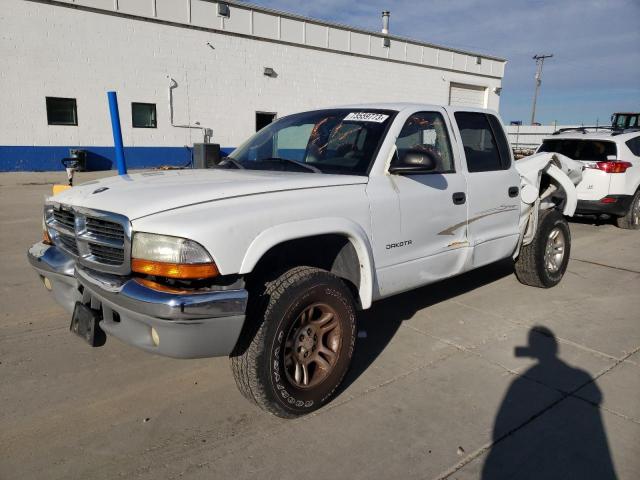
(223, 10)
(62, 111)
(263, 119)
(143, 115)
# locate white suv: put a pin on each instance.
(611, 179)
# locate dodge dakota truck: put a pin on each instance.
(268, 257)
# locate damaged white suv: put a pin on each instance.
(268, 257)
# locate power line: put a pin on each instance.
(539, 63)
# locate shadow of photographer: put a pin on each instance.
(565, 440)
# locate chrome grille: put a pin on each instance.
(105, 254)
(65, 217)
(103, 228)
(99, 240)
(68, 242)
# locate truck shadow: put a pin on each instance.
(382, 321)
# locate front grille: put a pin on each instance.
(99, 239)
(68, 243)
(108, 255)
(65, 217)
(105, 228)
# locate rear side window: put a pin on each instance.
(485, 146)
(593, 150)
(634, 146)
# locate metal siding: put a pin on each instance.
(239, 20)
(136, 7)
(316, 35)
(265, 25)
(338, 39)
(291, 30)
(173, 10)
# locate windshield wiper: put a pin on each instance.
(293, 162)
(231, 161)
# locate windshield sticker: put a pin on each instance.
(365, 117)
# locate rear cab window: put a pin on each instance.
(485, 145)
(576, 149)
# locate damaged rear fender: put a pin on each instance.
(559, 191)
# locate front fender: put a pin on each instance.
(275, 235)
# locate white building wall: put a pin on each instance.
(52, 50)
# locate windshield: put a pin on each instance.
(342, 141)
(594, 150)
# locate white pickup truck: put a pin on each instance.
(268, 257)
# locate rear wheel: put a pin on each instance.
(543, 262)
(631, 221)
(303, 343)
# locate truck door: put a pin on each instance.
(493, 187)
(423, 249)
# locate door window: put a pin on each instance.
(485, 145)
(427, 131)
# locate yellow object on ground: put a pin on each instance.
(58, 188)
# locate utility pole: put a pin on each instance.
(539, 63)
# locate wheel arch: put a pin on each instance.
(350, 258)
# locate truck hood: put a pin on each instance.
(146, 193)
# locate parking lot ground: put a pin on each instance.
(438, 388)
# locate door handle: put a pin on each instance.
(459, 198)
(513, 191)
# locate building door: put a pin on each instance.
(467, 95)
(263, 119)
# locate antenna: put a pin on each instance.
(539, 63)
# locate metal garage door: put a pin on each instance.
(467, 95)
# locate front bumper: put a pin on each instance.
(191, 325)
(618, 205)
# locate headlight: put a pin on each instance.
(172, 257)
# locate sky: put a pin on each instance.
(594, 72)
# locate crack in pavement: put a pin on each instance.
(604, 265)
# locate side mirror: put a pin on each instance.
(414, 161)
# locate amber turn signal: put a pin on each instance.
(182, 271)
(46, 238)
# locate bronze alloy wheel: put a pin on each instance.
(305, 336)
(312, 346)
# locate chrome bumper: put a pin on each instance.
(188, 325)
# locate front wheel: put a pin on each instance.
(303, 343)
(543, 262)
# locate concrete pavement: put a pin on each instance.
(437, 389)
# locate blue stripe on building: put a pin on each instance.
(39, 159)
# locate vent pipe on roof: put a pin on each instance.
(385, 22)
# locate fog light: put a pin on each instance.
(47, 283)
(155, 337)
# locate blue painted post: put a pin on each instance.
(117, 133)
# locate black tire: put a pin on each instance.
(631, 221)
(269, 369)
(532, 266)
